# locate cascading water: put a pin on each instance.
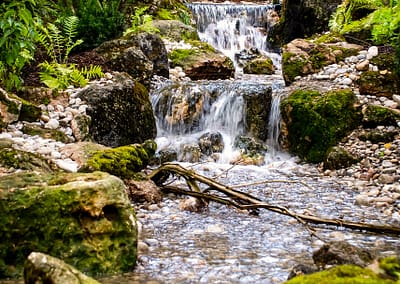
(186, 111)
(235, 28)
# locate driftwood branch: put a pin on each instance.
(245, 201)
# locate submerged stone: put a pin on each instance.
(84, 219)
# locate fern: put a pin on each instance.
(141, 22)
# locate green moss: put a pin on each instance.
(80, 221)
(391, 266)
(316, 122)
(375, 115)
(164, 14)
(384, 61)
(343, 274)
(330, 37)
(181, 56)
(124, 161)
(17, 159)
(292, 66)
(259, 66)
(12, 106)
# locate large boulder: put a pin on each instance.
(84, 219)
(375, 83)
(315, 122)
(9, 109)
(43, 268)
(302, 18)
(202, 62)
(140, 55)
(374, 115)
(120, 112)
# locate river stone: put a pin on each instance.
(120, 112)
(341, 252)
(144, 191)
(43, 268)
(211, 143)
(84, 219)
(338, 158)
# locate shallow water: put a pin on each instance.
(225, 245)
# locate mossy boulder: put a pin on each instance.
(202, 62)
(378, 84)
(124, 162)
(340, 275)
(315, 122)
(259, 65)
(338, 158)
(84, 219)
(374, 115)
(120, 112)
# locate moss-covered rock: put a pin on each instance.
(84, 219)
(125, 161)
(338, 158)
(11, 158)
(43, 268)
(10, 108)
(55, 134)
(315, 121)
(202, 61)
(260, 65)
(374, 115)
(341, 275)
(378, 84)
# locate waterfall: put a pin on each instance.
(274, 128)
(235, 28)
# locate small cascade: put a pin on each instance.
(237, 30)
(274, 128)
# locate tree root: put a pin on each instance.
(245, 201)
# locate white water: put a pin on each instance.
(232, 28)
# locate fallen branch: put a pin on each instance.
(246, 201)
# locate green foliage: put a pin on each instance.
(16, 43)
(164, 14)
(58, 43)
(141, 22)
(99, 21)
(386, 24)
(60, 76)
(397, 59)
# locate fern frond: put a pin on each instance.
(94, 71)
(70, 28)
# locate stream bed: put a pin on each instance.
(225, 245)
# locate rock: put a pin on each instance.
(372, 52)
(211, 143)
(52, 124)
(46, 133)
(259, 65)
(363, 65)
(374, 115)
(164, 156)
(43, 268)
(316, 122)
(124, 162)
(120, 112)
(396, 98)
(140, 55)
(10, 108)
(301, 269)
(387, 179)
(190, 153)
(302, 18)
(80, 126)
(85, 219)
(202, 62)
(340, 252)
(176, 30)
(338, 158)
(144, 191)
(374, 83)
(11, 158)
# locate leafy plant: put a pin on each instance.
(59, 43)
(58, 74)
(141, 22)
(386, 24)
(99, 21)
